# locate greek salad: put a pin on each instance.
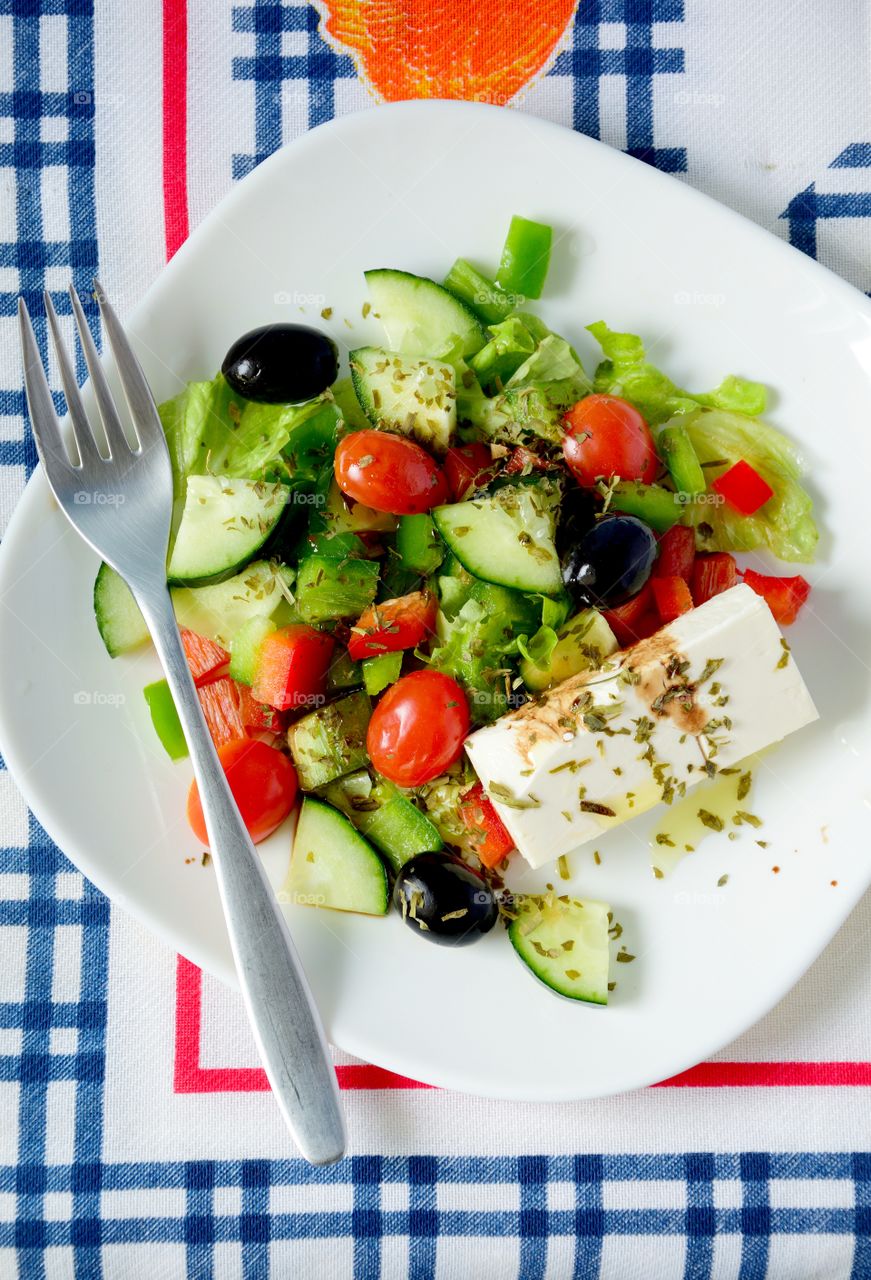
(473, 602)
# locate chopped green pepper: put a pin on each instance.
(525, 257)
(165, 719)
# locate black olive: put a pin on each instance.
(576, 516)
(611, 562)
(444, 900)
(281, 363)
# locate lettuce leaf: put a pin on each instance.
(210, 430)
(626, 372)
(785, 524)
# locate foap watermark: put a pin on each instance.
(699, 499)
(94, 498)
(693, 298)
(304, 499)
(98, 698)
(516, 299)
(296, 298)
(301, 899)
(687, 898)
(501, 699)
(87, 98)
(693, 99)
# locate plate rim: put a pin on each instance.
(36, 491)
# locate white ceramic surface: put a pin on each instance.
(413, 186)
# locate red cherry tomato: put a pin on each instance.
(418, 728)
(392, 625)
(264, 786)
(467, 465)
(607, 436)
(291, 667)
(389, 473)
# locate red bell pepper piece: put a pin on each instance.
(221, 707)
(631, 621)
(784, 596)
(258, 717)
(491, 838)
(292, 667)
(713, 574)
(743, 488)
(672, 596)
(392, 625)
(206, 659)
(521, 458)
(677, 553)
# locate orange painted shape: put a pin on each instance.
(485, 51)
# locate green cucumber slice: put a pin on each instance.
(333, 866)
(506, 538)
(224, 524)
(330, 742)
(415, 397)
(121, 625)
(393, 823)
(540, 933)
(245, 646)
(421, 318)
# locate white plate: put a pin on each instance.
(413, 186)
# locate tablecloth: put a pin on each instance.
(137, 1138)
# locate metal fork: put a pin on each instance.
(133, 539)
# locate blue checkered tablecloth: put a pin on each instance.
(120, 127)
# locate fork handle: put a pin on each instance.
(280, 1006)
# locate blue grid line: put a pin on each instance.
(639, 62)
(269, 70)
(701, 1220)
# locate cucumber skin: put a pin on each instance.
(111, 595)
(540, 966)
(245, 646)
(332, 826)
(397, 828)
(470, 329)
(177, 578)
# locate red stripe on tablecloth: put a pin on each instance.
(175, 193)
(190, 1077)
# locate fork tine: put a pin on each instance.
(43, 418)
(119, 446)
(83, 435)
(143, 409)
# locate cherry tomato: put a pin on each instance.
(264, 786)
(467, 466)
(418, 728)
(291, 667)
(607, 436)
(392, 625)
(389, 473)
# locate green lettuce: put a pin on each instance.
(785, 524)
(626, 372)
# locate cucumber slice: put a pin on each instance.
(217, 612)
(330, 742)
(585, 641)
(394, 824)
(341, 516)
(121, 625)
(245, 647)
(224, 524)
(540, 933)
(333, 866)
(505, 538)
(416, 397)
(421, 318)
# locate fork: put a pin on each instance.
(87, 486)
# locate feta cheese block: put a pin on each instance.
(711, 688)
